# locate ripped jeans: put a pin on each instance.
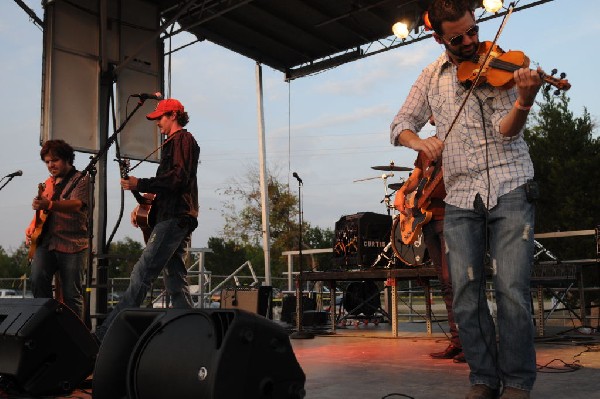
(510, 359)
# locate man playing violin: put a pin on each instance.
(487, 173)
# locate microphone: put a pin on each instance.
(297, 177)
(149, 96)
(13, 174)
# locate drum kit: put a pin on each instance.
(414, 254)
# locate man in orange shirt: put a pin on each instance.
(433, 233)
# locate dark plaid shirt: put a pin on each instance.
(67, 231)
(175, 183)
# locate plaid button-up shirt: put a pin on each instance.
(67, 231)
(475, 144)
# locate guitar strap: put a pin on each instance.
(149, 155)
(60, 187)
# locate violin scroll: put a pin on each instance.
(560, 83)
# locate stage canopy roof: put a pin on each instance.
(300, 37)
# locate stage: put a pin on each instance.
(365, 362)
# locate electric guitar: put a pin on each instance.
(40, 219)
(417, 213)
(143, 210)
(412, 222)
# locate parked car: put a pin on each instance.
(12, 293)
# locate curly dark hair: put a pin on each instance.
(182, 117)
(447, 11)
(58, 148)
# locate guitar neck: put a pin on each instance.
(561, 84)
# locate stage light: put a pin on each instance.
(400, 29)
(492, 5)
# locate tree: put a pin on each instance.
(16, 264)
(243, 224)
(565, 156)
(123, 256)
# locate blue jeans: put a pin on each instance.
(70, 267)
(165, 249)
(511, 359)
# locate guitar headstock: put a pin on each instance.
(124, 165)
(560, 83)
(41, 188)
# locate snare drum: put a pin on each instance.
(414, 254)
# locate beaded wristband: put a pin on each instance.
(521, 107)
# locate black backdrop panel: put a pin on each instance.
(359, 238)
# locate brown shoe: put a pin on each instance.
(460, 358)
(514, 393)
(447, 353)
(480, 391)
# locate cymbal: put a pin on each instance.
(395, 186)
(392, 168)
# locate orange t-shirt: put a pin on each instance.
(436, 206)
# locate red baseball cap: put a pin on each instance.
(165, 106)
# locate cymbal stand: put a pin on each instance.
(540, 249)
(385, 254)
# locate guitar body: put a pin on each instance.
(143, 210)
(142, 213)
(40, 219)
(411, 223)
(417, 205)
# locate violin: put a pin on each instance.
(499, 67)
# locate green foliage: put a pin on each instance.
(123, 256)
(16, 264)
(226, 256)
(565, 156)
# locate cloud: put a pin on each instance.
(377, 70)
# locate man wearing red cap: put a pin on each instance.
(174, 213)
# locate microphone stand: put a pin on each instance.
(300, 333)
(6, 182)
(91, 170)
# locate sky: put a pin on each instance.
(330, 128)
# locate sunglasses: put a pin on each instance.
(457, 40)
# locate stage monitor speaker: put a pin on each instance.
(362, 297)
(255, 300)
(288, 307)
(44, 347)
(196, 353)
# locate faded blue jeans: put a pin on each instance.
(70, 267)
(510, 360)
(165, 250)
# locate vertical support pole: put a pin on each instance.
(290, 272)
(540, 317)
(394, 286)
(427, 289)
(264, 189)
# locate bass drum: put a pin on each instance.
(412, 255)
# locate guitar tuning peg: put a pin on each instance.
(556, 92)
(563, 75)
(547, 88)
(553, 71)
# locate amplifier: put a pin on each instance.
(360, 238)
(255, 300)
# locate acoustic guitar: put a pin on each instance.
(143, 210)
(40, 219)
